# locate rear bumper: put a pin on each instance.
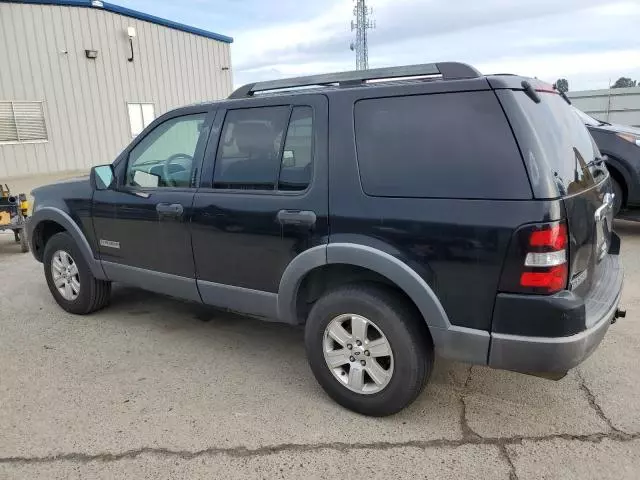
(534, 354)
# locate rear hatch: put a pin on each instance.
(564, 163)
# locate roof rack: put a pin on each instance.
(446, 70)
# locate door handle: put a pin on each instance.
(173, 210)
(297, 217)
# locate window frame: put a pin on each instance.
(211, 156)
(44, 121)
(121, 164)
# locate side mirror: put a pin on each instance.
(102, 177)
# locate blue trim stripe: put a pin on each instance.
(110, 7)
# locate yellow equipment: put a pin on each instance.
(13, 215)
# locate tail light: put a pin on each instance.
(537, 261)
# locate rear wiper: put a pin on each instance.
(562, 94)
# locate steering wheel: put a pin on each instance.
(166, 174)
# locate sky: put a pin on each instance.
(589, 42)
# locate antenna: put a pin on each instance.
(361, 25)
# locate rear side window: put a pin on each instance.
(454, 145)
(265, 148)
(564, 143)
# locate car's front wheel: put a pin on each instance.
(70, 279)
(368, 349)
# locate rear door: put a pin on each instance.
(563, 154)
(263, 198)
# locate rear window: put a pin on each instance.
(564, 145)
(454, 145)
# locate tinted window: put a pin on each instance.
(250, 146)
(456, 145)
(295, 172)
(164, 158)
(565, 145)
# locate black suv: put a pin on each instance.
(395, 213)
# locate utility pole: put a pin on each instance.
(361, 25)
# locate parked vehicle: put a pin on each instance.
(431, 211)
(621, 145)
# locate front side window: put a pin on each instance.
(265, 148)
(164, 158)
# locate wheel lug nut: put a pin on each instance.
(351, 359)
(349, 346)
(358, 342)
(366, 352)
(363, 363)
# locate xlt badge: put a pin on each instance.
(109, 244)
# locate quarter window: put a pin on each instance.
(164, 158)
(295, 173)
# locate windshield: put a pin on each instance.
(565, 147)
(587, 119)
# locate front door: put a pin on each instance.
(142, 224)
(262, 201)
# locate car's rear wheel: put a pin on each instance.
(368, 349)
(70, 279)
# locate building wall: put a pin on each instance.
(616, 105)
(42, 57)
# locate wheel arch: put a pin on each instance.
(46, 222)
(619, 174)
(451, 341)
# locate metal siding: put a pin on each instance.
(85, 100)
(618, 105)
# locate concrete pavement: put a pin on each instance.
(153, 387)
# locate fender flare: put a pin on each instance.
(451, 341)
(63, 219)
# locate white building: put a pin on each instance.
(80, 78)
(615, 105)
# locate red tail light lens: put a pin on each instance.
(554, 237)
(552, 279)
(537, 259)
(545, 268)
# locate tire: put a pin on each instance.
(619, 197)
(391, 316)
(24, 244)
(92, 294)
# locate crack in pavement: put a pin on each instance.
(469, 437)
(512, 467)
(591, 398)
(467, 431)
(239, 452)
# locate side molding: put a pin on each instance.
(159, 282)
(56, 215)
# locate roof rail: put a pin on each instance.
(447, 70)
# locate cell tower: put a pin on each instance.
(361, 25)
